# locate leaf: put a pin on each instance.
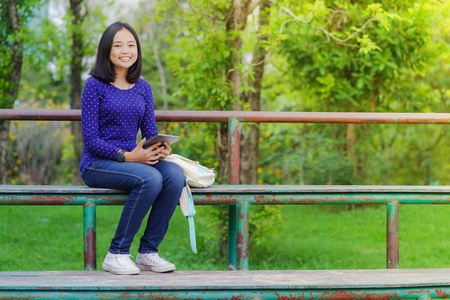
(360, 83)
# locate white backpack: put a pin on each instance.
(196, 176)
(199, 176)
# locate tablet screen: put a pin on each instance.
(161, 138)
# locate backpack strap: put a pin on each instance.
(190, 217)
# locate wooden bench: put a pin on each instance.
(240, 198)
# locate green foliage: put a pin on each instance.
(193, 144)
(157, 34)
(308, 156)
(416, 160)
(205, 54)
(207, 49)
(408, 43)
(36, 147)
(202, 59)
(52, 45)
(26, 11)
(45, 84)
(349, 78)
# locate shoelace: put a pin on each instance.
(155, 258)
(124, 259)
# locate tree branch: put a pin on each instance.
(328, 35)
(159, 64)
(253, 6)
(440, 137)
(190, 29)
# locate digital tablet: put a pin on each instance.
(161, 138)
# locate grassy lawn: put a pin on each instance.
(330, 237)
(35, 238)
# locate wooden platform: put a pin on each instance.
(322, 284)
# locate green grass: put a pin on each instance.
(35, 238)
(314, 237)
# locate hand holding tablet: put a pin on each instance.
(161, 138)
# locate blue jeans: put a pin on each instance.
(158, 186)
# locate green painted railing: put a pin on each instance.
(238, 199)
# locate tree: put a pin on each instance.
(14, 16)
(75, 42)
(403, 45)
(215, 76)
(250, 138)
(55, 62)
(216, 73)
(155, 38)
(76, 68)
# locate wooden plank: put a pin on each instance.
(56, 189)
(216, 280)
(234, 189)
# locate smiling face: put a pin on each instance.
(124, 51)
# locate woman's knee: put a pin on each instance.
(151, 180)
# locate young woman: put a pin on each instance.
(116, 104)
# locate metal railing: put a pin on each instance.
(238, 213)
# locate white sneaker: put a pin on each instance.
(120, 264)
(152, 262)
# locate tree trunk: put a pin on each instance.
(250, 138)
(162, 76)
(4, 131)
(236, 21)
(13, 89)
(222, 152)
(350, 138)
(16, 55)
(75, 82)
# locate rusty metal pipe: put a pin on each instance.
(228, 199)
(243, 237)
(320, 199)
(90, 236)
(244, 116)
(234, 138)
(257, 292)
(392, 230)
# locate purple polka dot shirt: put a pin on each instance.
(111, 119)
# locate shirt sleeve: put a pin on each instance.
(148, 124)
(90, 112)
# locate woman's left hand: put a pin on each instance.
(165, 151)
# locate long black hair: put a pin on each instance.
(103, 68)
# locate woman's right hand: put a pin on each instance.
(147, 156)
